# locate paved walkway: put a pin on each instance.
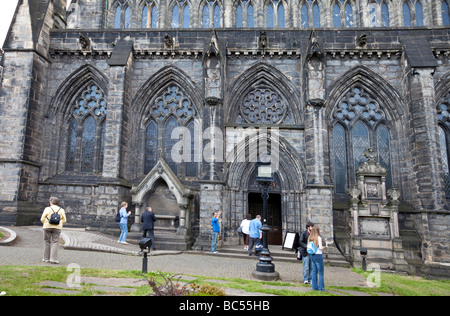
(93, 250)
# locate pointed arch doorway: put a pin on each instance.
(285, 200)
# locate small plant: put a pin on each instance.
(208, 290)
(172, 287)
(168, 287)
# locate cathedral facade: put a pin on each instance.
(174, 103)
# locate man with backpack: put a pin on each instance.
(53, 218)
(303, 245)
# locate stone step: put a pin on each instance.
(278, 254)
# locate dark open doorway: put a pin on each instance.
(255, 207)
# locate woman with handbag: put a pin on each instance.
(315, 251)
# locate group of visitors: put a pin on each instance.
(310, 241)
(310, 248)
(54, 217)
(147, 219)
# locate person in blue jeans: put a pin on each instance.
(215, 230)
(255, 233)
(318, 268)
(303, 244)
(123, 224)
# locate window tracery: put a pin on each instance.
(86, 132)
(359, 123)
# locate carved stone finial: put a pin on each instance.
(394, 193)
(354, 192)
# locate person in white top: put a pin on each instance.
(245, 224)
(317, 260)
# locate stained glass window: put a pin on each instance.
(192, 166)
(86, 131)
(71, 145)
(443, 115)
(151, 146)
(444, 157)
(88, 145)
(384, 152)
(169, 143)
(340, 159)
(264, 105)
(171, 109)
(359, 124)
(360, 143)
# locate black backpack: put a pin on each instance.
(55, 217)
(117, 218)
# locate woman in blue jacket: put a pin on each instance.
(123, 224)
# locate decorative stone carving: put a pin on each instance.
(358, 102)
(263, 106)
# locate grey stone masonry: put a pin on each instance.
(91, 101)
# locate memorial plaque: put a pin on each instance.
(376, 227)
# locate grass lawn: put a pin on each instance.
(24, 281)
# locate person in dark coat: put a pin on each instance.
(303, 244)
(148, 219)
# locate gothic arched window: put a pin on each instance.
(86, 132)
(359, 123)
(264, 105)
(342, 14)
(211, 14)
(443, 113)
(151, 146)
(181, 15)
(316, 15)
(245, 14)
(172, 114)
(122, 15)
(275, 14)
(413, 13)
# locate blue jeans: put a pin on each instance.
(307, 268)
(317, 269)
(124, 232)
(215, 236)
